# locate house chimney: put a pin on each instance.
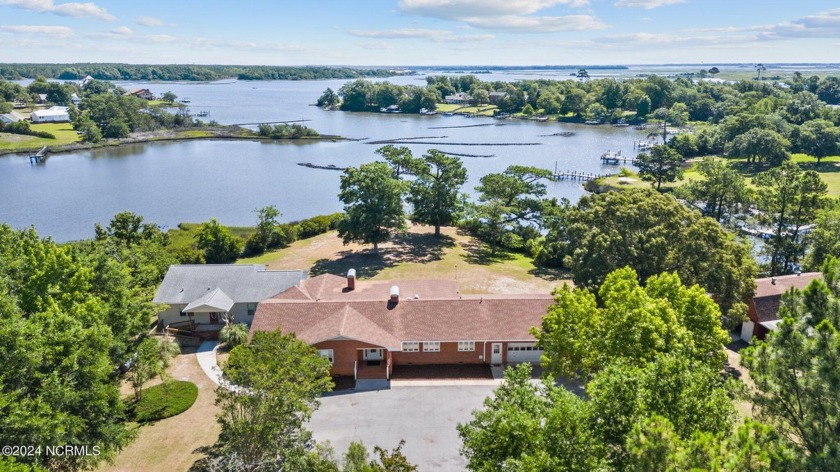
(773, 280)
(351, 279)
(395, 294)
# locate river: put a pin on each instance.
(169, 183)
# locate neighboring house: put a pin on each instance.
(54, 114)
(763, 309)
(458, 98)
(88, 79)
(367, 329)
(496, 97)
(145, 94)
(75, 100)
(202, 298)
(42, 98)
(12, 117)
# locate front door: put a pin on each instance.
(372, 354)
(496, 353)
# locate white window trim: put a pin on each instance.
(427, 348)
(410, 346)
(328, 354)
(466, 346)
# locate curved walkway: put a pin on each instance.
(206, 356)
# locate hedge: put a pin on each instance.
(164, 400)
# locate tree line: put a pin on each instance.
(171, 72)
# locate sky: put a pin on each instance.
(421, 32)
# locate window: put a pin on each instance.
(327, 354)
(252, 308)
(431, 346)
(411, 346)
(466, 346)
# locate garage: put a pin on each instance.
(523, 352)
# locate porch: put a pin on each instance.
(372, 364)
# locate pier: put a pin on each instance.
(576, 176)
(613, 158)
(270, 123)
(316, 166)
(39, 157)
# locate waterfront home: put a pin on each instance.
(145, 94)
(12, 117)
(88, 79)
(203, 298)
(369, 329)
(496, 97)
(54, 114)
(75, 100)
(42, 99)
(459, 98)
(763, 311)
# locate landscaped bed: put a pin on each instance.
(164, 400)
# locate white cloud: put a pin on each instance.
(539, 24)
(74, 9)
(459, 9)
(646, 4)
(378, 45)
(403, 33)
(151, 22)
(513, 16)
(122, 31)
(52, 31)
(822, 25)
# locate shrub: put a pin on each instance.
(164, 400)
(234, 334)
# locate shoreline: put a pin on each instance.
(209, 134)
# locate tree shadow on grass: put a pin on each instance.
(551, 274)
(402, 249)
(479, 253)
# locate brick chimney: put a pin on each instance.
(395, 294)
(351, 279)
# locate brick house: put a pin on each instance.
(369, 328)
(763, 311)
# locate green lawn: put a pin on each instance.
(484, 110)
(64, 134)
(164, 400)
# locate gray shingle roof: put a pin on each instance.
(217, 300)
(242, 283)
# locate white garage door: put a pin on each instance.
(523, 352)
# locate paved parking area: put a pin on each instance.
(424, 416)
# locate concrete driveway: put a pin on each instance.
(425, 416)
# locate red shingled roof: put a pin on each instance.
(365, 314)
(768, 294)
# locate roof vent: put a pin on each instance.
(798, 273)
(417, 296)
(773, 280)
(395, 294)
(351, 279)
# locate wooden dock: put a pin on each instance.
(614, 158)
(576, 176)
(39, 157)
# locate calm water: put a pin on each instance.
(193, 181)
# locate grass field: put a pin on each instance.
(484, 110)
(64, 134)
(418, 255)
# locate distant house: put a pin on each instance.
(145, 94)
(459, 98)
(42, 98)
(75, 100)
(763, 309)
(496, 97)
(202, 298)
(369, 329)
(12, 117)
(87, 80)
(54, 114)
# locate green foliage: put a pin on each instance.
(172, 72)
(169, 97)
(164, 400)
(651, 233)
(819, 138)
(524, 422)
(509, 202)
(372, 200)
(22, 127)
(287, 131)
(269, 233)
(57, 382)
(663, 164)
(145, 365)
(401, 160)
(635, 324)
(217, 242)
(234, 334)
(435, 193)
(825, 238)
(789, 198)
(796, 371)
(722, 194)
(279, 380)
(760, 145)
(328, 99)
